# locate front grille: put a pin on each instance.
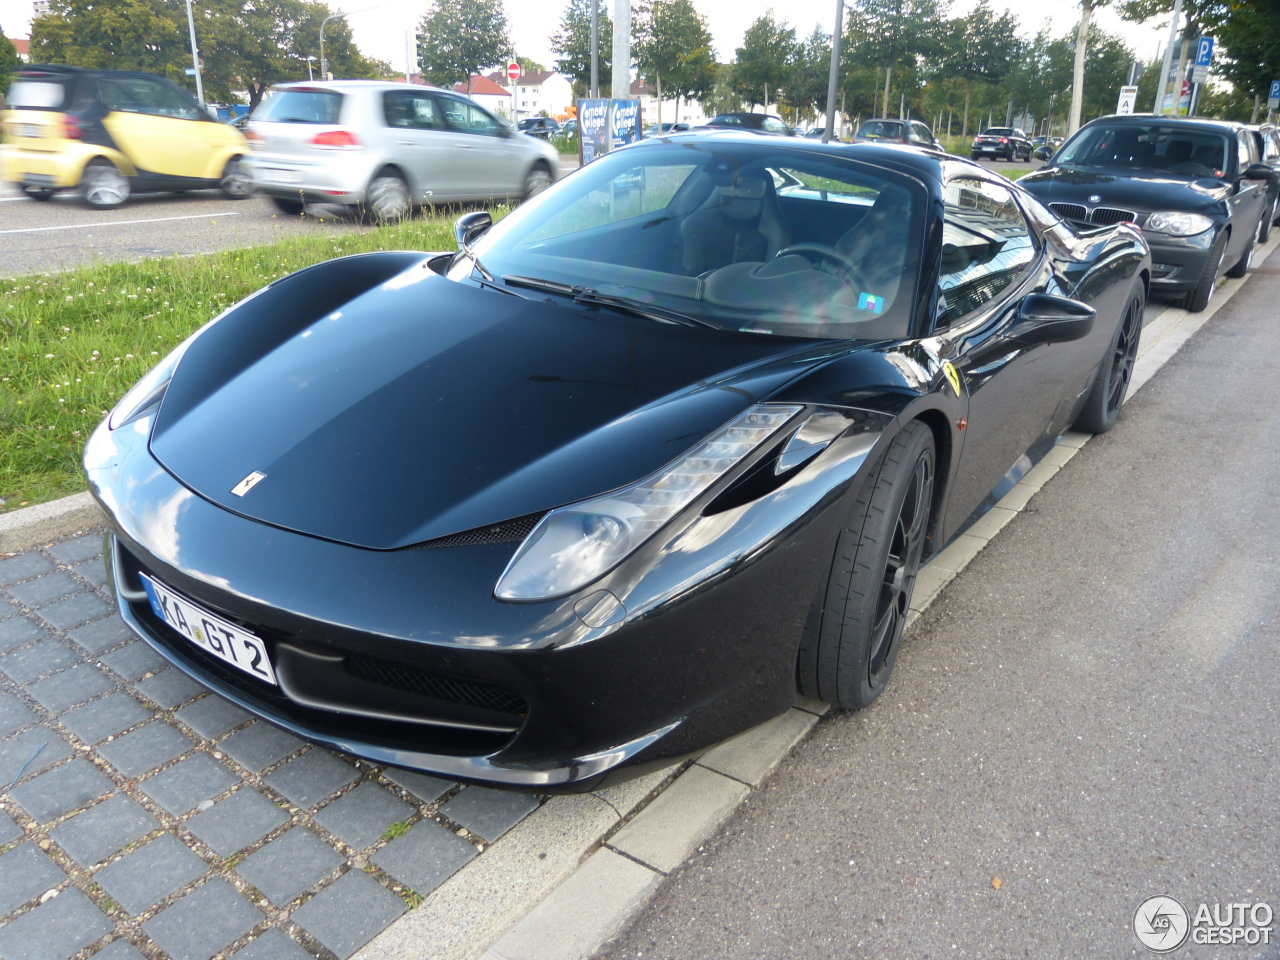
(1098, 217)
(509, 531)
(470, 692)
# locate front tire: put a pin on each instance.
(1107, 396)
(850, 658)
(1198, 299)
(1241, 266)
(102, 185)
(235, 184)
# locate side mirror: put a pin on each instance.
(469, 226)
(1046, 318)
(1040, 153)
(1257, 171)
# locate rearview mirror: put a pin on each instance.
(1046, 318)
(469, 226)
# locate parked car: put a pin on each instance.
(109, 133)
(1267, 140)
(543, 127)
(614, 480)
(759, 122)
(911, 132)
(1001, 143)
(569, 128)
(1196, 187)
(666, 128)
(385, 147)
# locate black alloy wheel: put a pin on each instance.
(848, 661)
(1107, 396)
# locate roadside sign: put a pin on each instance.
(190, 71)
(1128, 99)
(1199, 74)
(1204, 52)
(513, 71)
(1273, 98)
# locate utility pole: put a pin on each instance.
(833, 76)
(621, 49)
(1168, 63)
(595, 50)
(195, 54)
(324, 64)
(1077, 78)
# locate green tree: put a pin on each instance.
(529, 65)
(458, 37)
(764, 61)
(979, 47)
(673, 44)
(721, 98)
(9, 62)
(1250, 57)
(571, 44)
(895, 35)
(806, 88)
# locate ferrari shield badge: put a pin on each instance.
(248, 483)
(953, 376)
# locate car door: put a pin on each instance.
(1249, 203)
(992, 258)
(420, 142)
(150, 125)
(491, 155)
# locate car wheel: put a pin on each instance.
(538, 179)
(848, 661)
(289, 206)
(1198, 299)
(102, 185)
(973, 156)
(1107, 395)
(1241, 266)
(236, 184)
(38, 193)
(388, 197)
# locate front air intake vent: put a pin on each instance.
(472, 693)
(509, 531)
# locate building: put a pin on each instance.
(539, 92)
(23, 46)
(685, 111)
(487, 93)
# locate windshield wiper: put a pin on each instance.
(588, 296)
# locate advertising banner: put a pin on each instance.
(604, 125)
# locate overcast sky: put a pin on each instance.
(379, 26)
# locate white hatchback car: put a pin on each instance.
(388, 146)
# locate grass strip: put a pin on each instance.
(72, 343)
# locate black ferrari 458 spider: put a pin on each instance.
(664, 446)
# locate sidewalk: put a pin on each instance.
(148, 818)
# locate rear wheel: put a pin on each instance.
(236, 184)
(102, 185)
(1241, 266)
(388, 197)
(1198, 299)
(1106, 398)
(38, 193)
(848, 662)
(289, 206)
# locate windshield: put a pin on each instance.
(747, 238)
(301, 106)
(1169, 148)
(998, 132)
(881, 128)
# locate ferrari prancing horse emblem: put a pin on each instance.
(248, 483)
(953, 376)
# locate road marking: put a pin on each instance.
(8, 199)
(119, 223)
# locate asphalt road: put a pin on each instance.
(1085, 718)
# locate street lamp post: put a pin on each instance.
(195, 54)
(324, 64)
(310, 75)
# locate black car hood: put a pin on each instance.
(1144, 191)
(425, 407)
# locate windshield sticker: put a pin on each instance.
(869, 301)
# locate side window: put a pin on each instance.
(176, 103)
(133, 95)
(468, 118)
(1247, 153)
(986, 246)
(775, 126)
(407, 110)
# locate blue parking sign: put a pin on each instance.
(1273, 98)
(1204, 51)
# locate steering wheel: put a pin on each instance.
(846, 269)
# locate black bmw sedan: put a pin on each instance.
(614, 480)
(1195, 187)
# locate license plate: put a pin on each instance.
(211, 634)
(28, 130)
(281, 176)
(987, 149)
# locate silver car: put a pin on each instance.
(388, 146)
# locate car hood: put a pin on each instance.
(1134, 190)
(424, 407)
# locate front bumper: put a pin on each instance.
(1178, 262)
(404, 657)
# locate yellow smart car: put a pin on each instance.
(109, 133)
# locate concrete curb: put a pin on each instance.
(32, 526)
(571, 918)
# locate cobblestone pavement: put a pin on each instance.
(141, 815)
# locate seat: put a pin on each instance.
(875, 249)
(740, 222)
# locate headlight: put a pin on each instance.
(1178, 224)
(145, 395)
(575, 545)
